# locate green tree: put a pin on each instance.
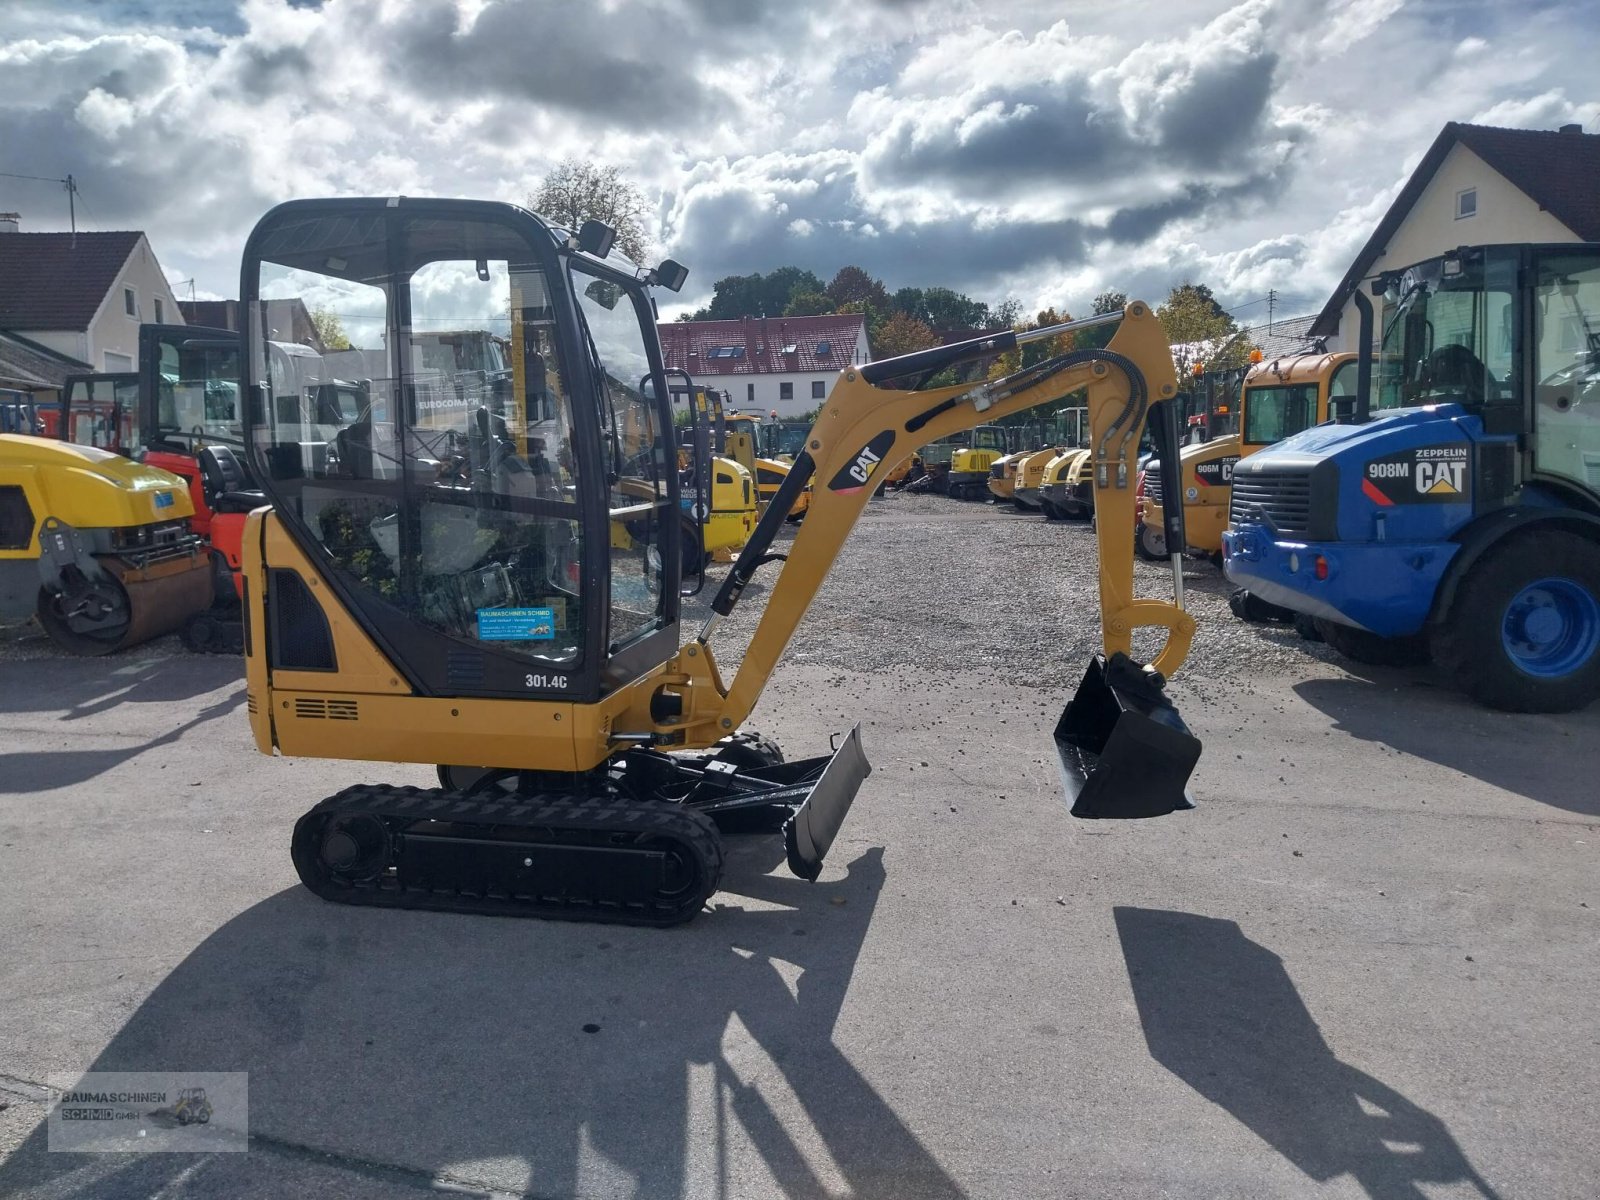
(853, 285)
(1200, 331)
(1105, 302)
(902, 334)
(579, 190)
(808, 304)
(757, 295)
(330, 329)
(947, 309)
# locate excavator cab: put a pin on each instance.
(455, 592)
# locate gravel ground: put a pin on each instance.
(922, 573)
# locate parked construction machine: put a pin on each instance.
(1277, 398)
(586, 757)
(96, 547)
(1461, 519)
(768, 471)
(718, 498)
(968, 478)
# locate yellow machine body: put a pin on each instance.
(1030, 476)
(1279, 397)
(733, 507)
(744, 439)
(1067, 490)
(1207, 489)
(95, 545)
(969, 468)
(86, 488)
(1003, 475)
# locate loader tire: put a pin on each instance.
(1247, 606)
(1306, 626)
(1524, 632)
(1151, 546)
(1362, 646)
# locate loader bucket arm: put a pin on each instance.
(864, 430)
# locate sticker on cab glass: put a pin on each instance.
(1425, 475)
(856, 476)
(516, 624)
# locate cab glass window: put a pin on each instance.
(1274, 413)
(1566, 357)
(197, 393)
(636, 446)
(428, 442)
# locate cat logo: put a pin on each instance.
(861, 469)
(857, 475)
(1440, 478)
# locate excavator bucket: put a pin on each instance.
(1124, 750)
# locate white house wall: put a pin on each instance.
(1505, 214)
(114, 332)
(767, 388)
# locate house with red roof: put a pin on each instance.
(1477, 185)
(82, 295)
(782, 365)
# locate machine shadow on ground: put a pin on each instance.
(1532, 755)
(1220, 1012)
(78, 688)
(81, 688)
(409, 1046)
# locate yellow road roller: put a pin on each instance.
(96, 546)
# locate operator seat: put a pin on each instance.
(224, 482)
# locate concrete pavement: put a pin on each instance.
(1365, 966)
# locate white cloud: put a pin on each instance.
(995, 148)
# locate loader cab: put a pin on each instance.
(1458, 330)
(465, 518)
(1283, 396)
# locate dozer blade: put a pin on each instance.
(808, 834)
(1124, 750)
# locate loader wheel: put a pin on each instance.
(1362, 646)
(1306, 626)
(1247, 606)
(1150, 544)
(1524, 632)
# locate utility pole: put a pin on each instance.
(72, 195)
(1272, 304)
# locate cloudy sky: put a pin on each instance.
(1045, 151)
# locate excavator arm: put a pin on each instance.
(867, 426)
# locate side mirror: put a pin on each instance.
(596, 238)
(670, 274)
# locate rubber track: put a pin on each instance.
(594, 821)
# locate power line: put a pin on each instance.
(72, 195)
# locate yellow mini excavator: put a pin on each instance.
(484, 620)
